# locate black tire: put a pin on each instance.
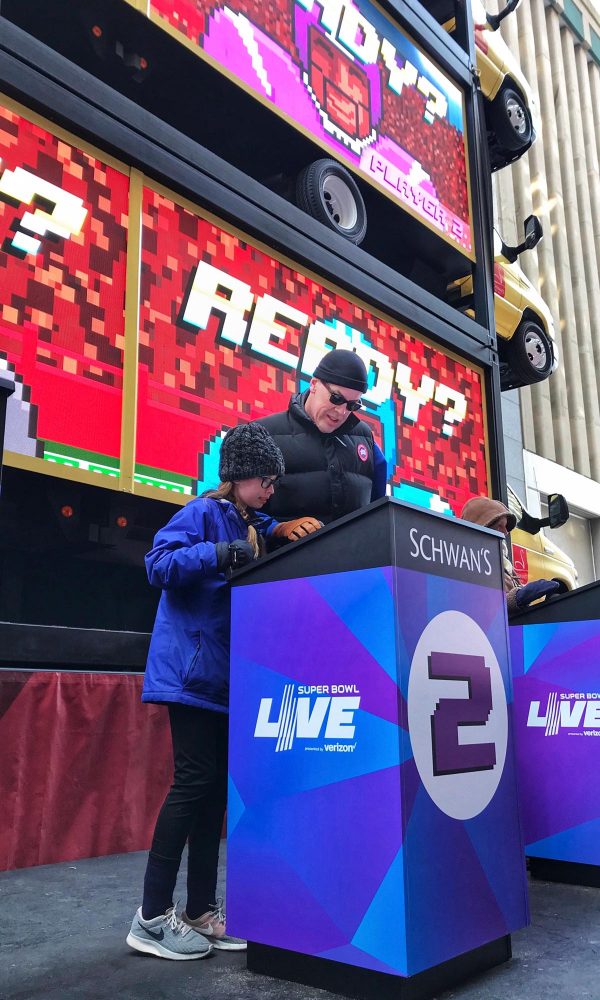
(529, 352)
(329, 193)
(511, 121)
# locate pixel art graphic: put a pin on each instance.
(337, 846)
(63, 242)
(557, 720)
(347, 75)
(227, 333)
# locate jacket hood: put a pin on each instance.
(483, 511)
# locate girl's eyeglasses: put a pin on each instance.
(267, 481)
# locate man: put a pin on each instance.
(493, 514)
(332, 464)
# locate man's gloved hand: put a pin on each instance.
(298, 528)
(232, 555)
(534, 590)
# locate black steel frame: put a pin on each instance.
(40, 78)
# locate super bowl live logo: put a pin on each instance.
(319, 715)
(575, 713)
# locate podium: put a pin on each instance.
(556, 670)
(374, 845)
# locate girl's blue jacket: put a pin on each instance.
(188, 660)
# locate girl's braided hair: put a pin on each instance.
(224, 491)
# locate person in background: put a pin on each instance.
(188, 670)
(493, 514)
(332, 464)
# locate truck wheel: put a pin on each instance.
(529, 352)
(511, 121)
(329, 193)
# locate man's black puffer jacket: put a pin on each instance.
(326, 475)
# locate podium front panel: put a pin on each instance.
(372, 806)
(556, 668)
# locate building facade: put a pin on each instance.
(552, 429)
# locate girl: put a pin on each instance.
(188, 669)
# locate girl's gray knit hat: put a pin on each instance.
(248, 450)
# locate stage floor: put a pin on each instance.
(64, 928)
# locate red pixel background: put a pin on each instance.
(192, 385)
(62, 309)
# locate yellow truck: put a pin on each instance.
(524, 325)
(534, 555)
(512, 115)
(511, 111)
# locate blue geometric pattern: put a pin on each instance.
(333, 839)
(556, 668)
(578, 843)
(372, 936)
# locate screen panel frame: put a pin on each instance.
(338, 290)
(46, 81)
(137, 182)
(146, 7)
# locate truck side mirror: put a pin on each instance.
(495, 20)
(558, 510)
(558, 513)
(533, 231)
(533, 235)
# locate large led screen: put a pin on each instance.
(348, 77)
(63, 242)
(228, 332)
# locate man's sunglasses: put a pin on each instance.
(338, 400)
(267, 481)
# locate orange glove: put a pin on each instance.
(298, 528)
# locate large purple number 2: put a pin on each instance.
(450, 756)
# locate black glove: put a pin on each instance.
(534, 590)
(232, 555)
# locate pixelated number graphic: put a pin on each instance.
(408, 75)
(451, 714)
(450, 400)
(436, 102)
(57, 214)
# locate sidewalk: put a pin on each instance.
(64, 929)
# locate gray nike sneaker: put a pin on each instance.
(167, 937)
(212, 926)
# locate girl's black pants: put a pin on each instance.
(193, 811)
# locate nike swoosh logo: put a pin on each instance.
(157, 935)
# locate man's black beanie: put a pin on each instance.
(343, 368)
